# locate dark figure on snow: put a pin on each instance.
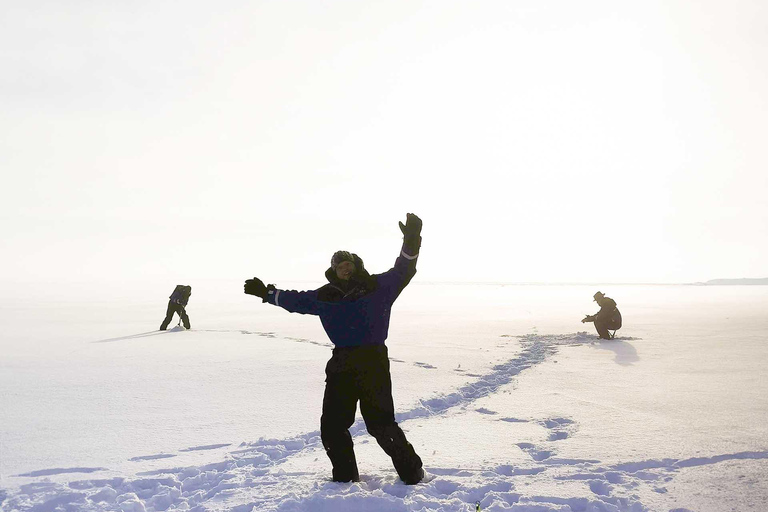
(177, 304)
(607, 319)
(354, 308)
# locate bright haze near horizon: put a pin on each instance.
(562, 141)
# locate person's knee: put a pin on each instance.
(377, 430)
(388, 433)
(336, 441)
(331, 437)
(331, 427)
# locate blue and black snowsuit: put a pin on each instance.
(355, 315)
(177, 304)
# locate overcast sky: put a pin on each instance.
(592, 141)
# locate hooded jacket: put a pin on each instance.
(357, 313)
(609, 314)
(181, 294)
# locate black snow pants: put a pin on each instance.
(174, 308)
(362, 373)
(611, 324)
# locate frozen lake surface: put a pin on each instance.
(510, 401)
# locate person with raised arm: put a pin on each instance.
(354, 309)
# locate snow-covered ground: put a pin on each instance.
(511, 402)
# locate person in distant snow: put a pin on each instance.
(354, 308)
(607, 319)
(177, 304)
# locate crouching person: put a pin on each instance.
(607, 319)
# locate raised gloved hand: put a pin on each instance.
(411, 232)
(412, 226)
(255, 287)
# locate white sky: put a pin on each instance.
(593, 141)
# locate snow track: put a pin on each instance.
(264, 475)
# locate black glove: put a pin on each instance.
(411, 232)
(412, 226)
(256, 287)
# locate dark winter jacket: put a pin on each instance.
(354, 313)
(181, 294)
(609, 314)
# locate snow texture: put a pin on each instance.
(543, 457)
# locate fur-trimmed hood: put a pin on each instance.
(359, 285)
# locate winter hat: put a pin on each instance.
(339, 257)
(598, 295)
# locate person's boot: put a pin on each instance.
(344, 475)
(344, 468)
(340, 450)
(407, 463)
(415, 478)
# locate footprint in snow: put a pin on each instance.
(535, 453)
(559, 428)
(205, 447)
(152, 457)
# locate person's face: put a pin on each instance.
(345, 270)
